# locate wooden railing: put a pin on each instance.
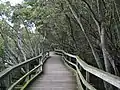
(19, 76)
(78, 64)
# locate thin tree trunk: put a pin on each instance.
(106, 60)
(98, 61)
(20, 43)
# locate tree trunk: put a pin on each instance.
(106, 60)
(98, 61)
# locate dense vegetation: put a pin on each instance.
(88, 28)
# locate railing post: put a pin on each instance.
(70, 59)
(27, 66)
(10, 78)
(62, 54)
(7, 82)
(40, 62)
(48, 53)
(77, 64)
(79, 67)
(87, 78)
(3, 85)
(41, 65)
(62, 57)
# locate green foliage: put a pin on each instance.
(56, 25)
(1, 47)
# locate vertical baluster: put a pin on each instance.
(27, 66)
(62, 54)
(77, 64)
(10, 77)
(80, 87)
(7, 82)
(69, 58)
(2, 84)
(79, 67)
(64, 57)
(41, 62)
(48, 53)
(87, 78)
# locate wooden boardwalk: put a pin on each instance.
(56, 76)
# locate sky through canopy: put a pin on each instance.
(13, 2)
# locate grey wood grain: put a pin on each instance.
(55, 76)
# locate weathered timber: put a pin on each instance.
(56, 76)
(110, 78)
(11, 77)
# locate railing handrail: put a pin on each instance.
(6, 71)
(31, 69)
(110, 78)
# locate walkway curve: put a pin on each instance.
(56, 76)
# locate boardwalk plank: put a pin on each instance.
(56, 76)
